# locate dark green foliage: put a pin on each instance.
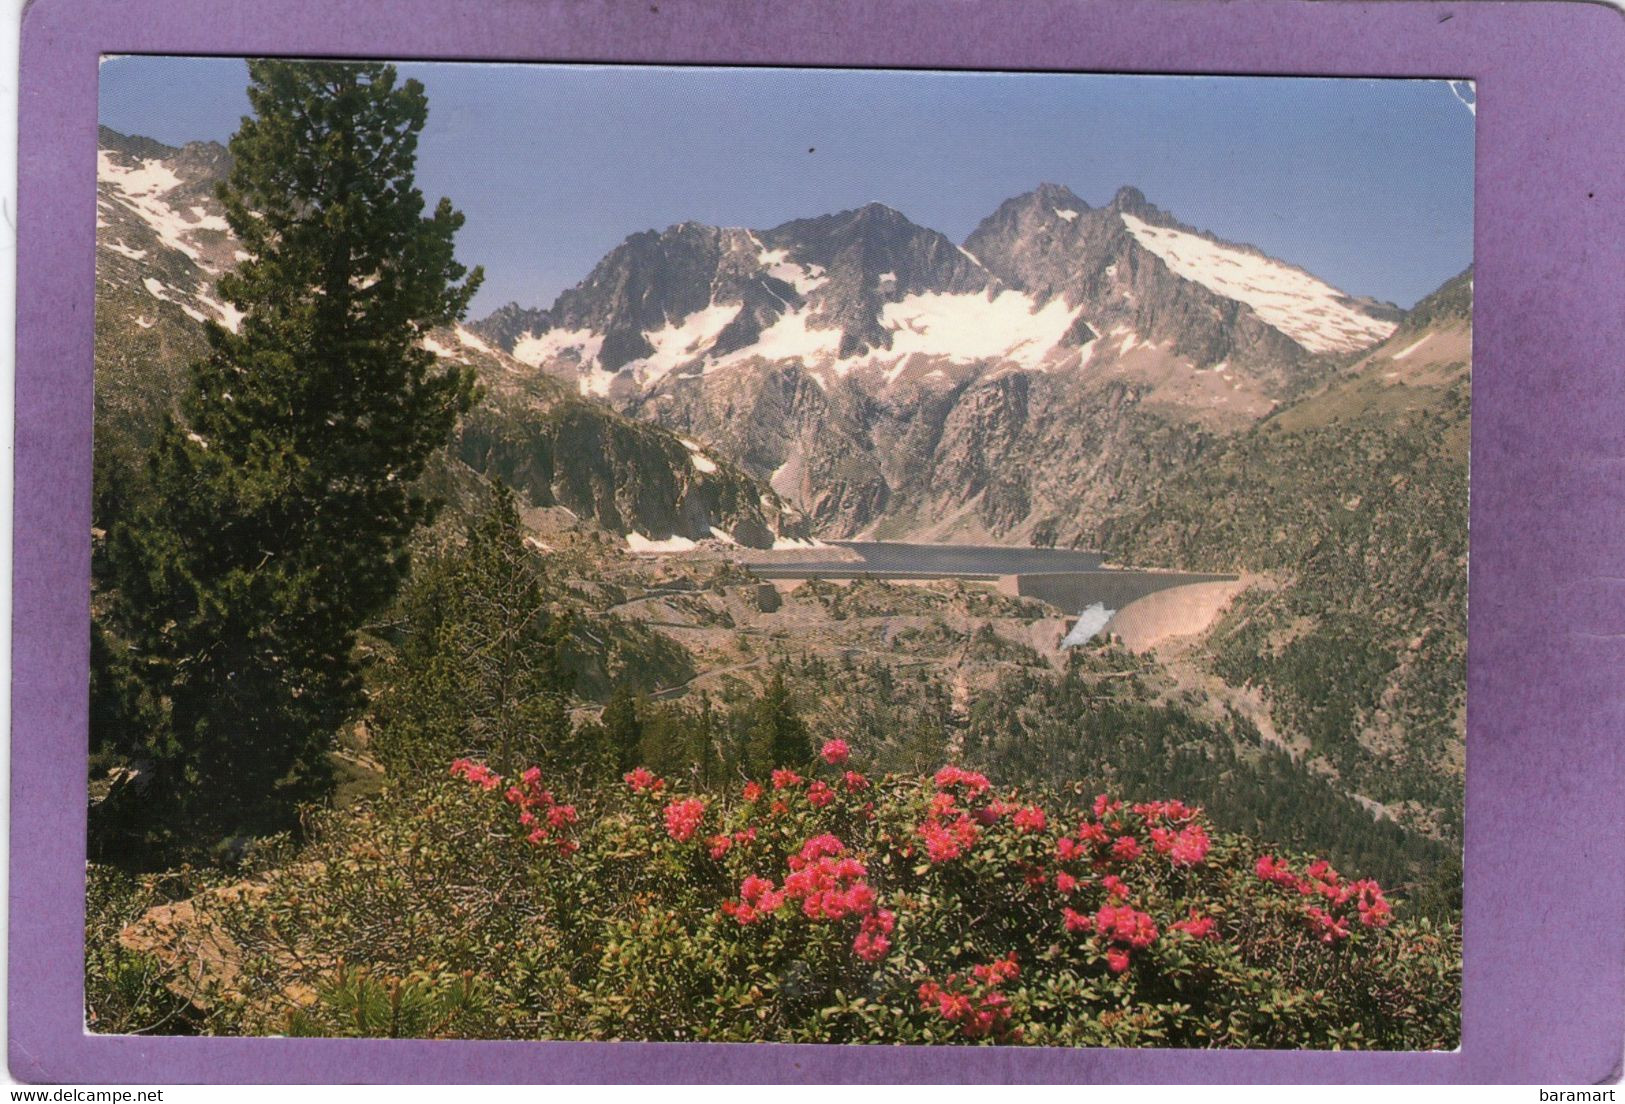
(1093, 726)
(129, 992)
(623, 727)
(354, 1004)
(777, 735)
(1360, 516)
(276, 511)
(479, 669)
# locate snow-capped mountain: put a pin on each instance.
(1046, 282)
(888, 380)
(163, 242)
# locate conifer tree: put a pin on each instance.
(779, 737)
(280, 504)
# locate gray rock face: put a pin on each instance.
(873, 256)
(1094, 262)
(917, 391)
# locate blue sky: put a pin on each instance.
(1366, 183)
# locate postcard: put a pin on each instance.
(946, 554)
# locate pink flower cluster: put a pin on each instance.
(683, 818)
(643, 780)
(544, 818)
(477, 773)
(1197, 926)
(1363, 898)
(950, 776)
(946, 839)
(1174, 812)
(1186, 847)
(1172, 829)
(757, 898)
(836, 752)
(830, 886)
(1030, 819)
(720, 845)
(1125, 928)
(828, 882)
(976, 1005)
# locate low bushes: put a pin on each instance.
(820, 905)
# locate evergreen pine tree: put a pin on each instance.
(482, 669)
(277, 511)
(779, 737)
(623, 723)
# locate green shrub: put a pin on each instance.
(831, 908)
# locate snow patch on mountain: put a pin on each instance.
(583, 345)
(790, 338)
(637, 542)
(971, 327)
(141, 191)
(682, 342)
(777, 264)
(1308, 310)
(697, 457)
(468, 338)
(230, 317)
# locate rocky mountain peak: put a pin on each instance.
(1131, 199)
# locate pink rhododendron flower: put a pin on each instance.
(819, 794)
(990, 813)
(1195, 926)
(872, 942)
(1105, 805)
(835, 752)
(1067, 849)
(1117, 960)
(1115, 886)
(477, 773)
(957, 776)
(1126, 848)
(1190, 846)
(1274, 870)
(855, 781)
(998, 971)
(1329, 927)
(784, 778)
(718, 846)
(642, 780)
(753, 790)
(1065, 883)
(1371, 904)
(1076, 921)
(683, 818)
(1123, 924)
(1030, 819)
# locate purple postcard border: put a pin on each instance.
(1545, 869)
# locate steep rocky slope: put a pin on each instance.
(889, 382)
